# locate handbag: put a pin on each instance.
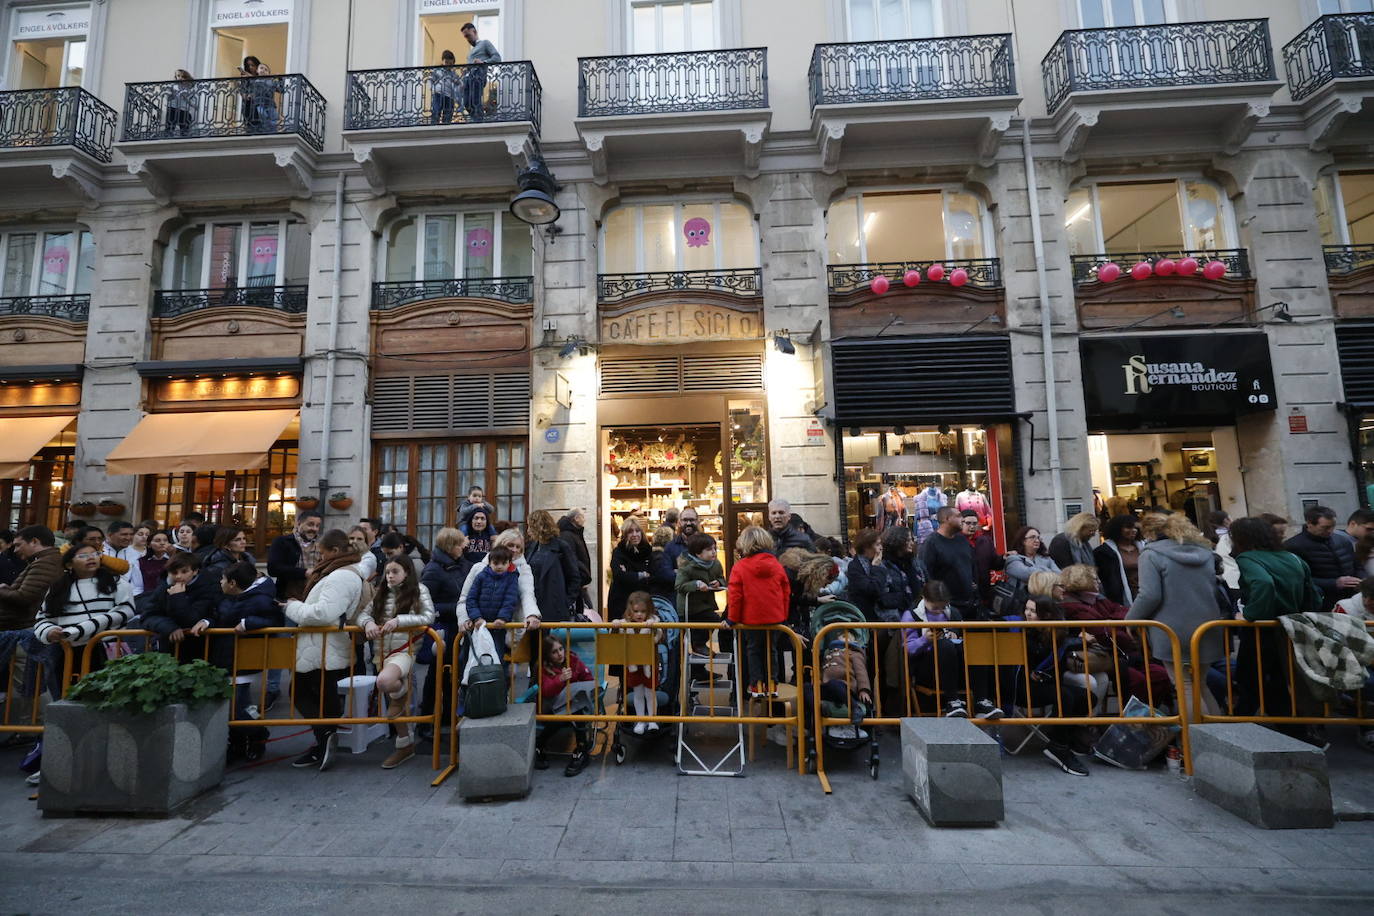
(1095, 660)
(485, 695)
(1009, 598)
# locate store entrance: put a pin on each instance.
(1195, 471)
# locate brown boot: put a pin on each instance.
(405, 748)
(396, 706)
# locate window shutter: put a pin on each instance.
(1355, 344)
(681, 374)
(458, 402)
(922, 380)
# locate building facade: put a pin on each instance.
(1024, 257)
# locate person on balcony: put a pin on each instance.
(444, 80)
(181, 104)
(264, 91)
(250, 116)
(475, 76)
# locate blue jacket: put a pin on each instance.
(494, 595)
(256, 607)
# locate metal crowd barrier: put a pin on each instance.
(997, 645)
(26, 680)
(257, 652)
(1264, 684)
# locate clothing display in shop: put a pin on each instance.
(969, 498)
(891, 509)
(929, 502)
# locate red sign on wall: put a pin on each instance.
(1297, 423)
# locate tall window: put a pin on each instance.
(1147, 216)
(240, 28)
(451, 246)
(1110, 14)
(57, 263)
(1345, 208)
(1329, 7)
(907, 225)
(663, 26)
(231, 254)
(48, 47)
(888, 20)
(684, 236)
(421, 485)
(41, 496)
(261, 501)
(441, 31)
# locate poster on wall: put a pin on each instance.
(1176, 380)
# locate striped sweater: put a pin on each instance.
(87, 612)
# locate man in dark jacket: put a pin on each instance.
(571, 529)
(21, 600)
(687, 525)
(291, 556)
(788, 529)
(1331, 559)
(985, 555)
(184, 600)
(948, 556)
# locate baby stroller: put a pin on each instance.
(854, 735)
(669, 670)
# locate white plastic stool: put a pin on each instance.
(357, 691)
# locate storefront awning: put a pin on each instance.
(22, 437)
(170, 443)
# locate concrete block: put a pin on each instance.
(496, 755)
(953, 771)
(109, 762)
(1268, 778)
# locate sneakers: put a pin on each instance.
(310, 758)
(398, 757)
(757, 691)
(986, 709)
(955, 709)
(651, 726)
(327, 753)
(639, 728)
(1066, 760)
(577, 764)
(541, 760)
(33, 779)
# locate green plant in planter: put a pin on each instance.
(145, 683)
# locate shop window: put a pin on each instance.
(1147, 216)
(443, 31)
(655, 238)
(1345, 208)
(229, 255)
(451, 246)
(889, 20)
(42, 495)
(748, 452)
(261, 501)
(421, 485)
(57, 263)
(667, 26)
(889, 226)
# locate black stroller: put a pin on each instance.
(852, 735)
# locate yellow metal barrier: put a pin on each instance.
(996, 645)
(258, 651)
(1263, 681)
(26, 679)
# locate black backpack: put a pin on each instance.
(486, 691)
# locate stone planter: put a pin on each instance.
(117, 763)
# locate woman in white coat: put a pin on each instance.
(333, 595)
(528, 616)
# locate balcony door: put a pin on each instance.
(48, 46)
(440, 32)
(1116, 14)
(893, 20)
(670, 26)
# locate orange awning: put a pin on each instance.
(22, 437)
(170, 443)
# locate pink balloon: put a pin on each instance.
(1214, 270)
(879, 284)
(1187, 267)
(1108, 272)
(936, 272)
(1165, 267)
(958, 277)
(911, 277)
(1142, 270)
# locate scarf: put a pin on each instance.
(325, 567)
(310, 552)
(704, 564)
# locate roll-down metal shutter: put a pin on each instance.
(922, 381)
(1356, 346)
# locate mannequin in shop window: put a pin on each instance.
(929, 502)
(893, 508)
(971, 499)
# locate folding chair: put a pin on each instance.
(999, 649)
(624, 649)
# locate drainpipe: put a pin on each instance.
(1046, 334)
(331, 355)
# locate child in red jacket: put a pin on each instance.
(758, 594)
(560, 673)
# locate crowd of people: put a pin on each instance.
(65, 589)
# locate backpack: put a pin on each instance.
(486, 691)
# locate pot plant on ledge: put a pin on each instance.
(140, 736)
(109, 507)
(339, 501)
(307, 502)
(82, 508)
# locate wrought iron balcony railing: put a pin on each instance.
(425, 96)
(1150, 56)
(661, 83)
(983, 273)
(289, 299)
(1334, 47)
(899, 71)
(1237, 261)
(735, 281)
(1344, 259)
(238, 107)
(68, 308)
(57, 117)
(515, 290)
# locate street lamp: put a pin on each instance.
(534, 204)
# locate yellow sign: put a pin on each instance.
(43, 394)
(681, 324)
(239, 388)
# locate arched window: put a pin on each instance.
(453, 245)
(236, 253)
(886, 226)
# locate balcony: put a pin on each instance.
(1161, 301)
(289, 300)
(407, 126)
(243, 321)
(1350, 276)
(697, 111)
(868, 96)
(928, 307)
(75, 309)
(514, 290)
(1330, 68)
(1124, 86)
(182, 135)
(739, 283)
(50, 139)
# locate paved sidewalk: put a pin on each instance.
(641, 838)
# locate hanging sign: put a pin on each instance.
(52, 22)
